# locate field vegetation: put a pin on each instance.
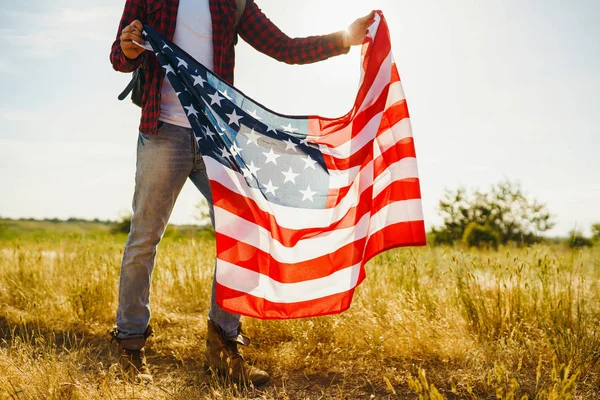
(428, 323)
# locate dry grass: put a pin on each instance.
(428, 323)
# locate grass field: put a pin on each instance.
(428, 323)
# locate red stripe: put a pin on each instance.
(402, 149)
(251, 306)
(395, 74)
(247, 209)
(251, 258)
(247, 256)
(392, 115)
(333, 138)
(377, 52)
(411, 233)
(374, 58)
(405, 148)
(390, 118)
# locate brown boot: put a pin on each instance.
(132, 357)
(223, 356)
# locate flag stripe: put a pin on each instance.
(249, 211)
(259, 285)
(257, 307)
(375, 55)
(354, 123)
(396, 235)
(245, 255)
(339, 161)
(316, 245)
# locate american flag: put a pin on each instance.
(302, 202)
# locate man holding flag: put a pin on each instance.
(168, 154)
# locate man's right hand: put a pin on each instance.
(132, 32)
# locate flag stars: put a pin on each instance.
(191, 110)
(290, 176)
(308, 194)
(270, 188)
(221, 130)
(166, 46)
(226, 95)
(168, 69)
(208, 134)
(216, 99)
(254, 115)
(253, 169)
(234, 118)
(181, 62)
(225, 153)
(235, 150)
(289, 128)
(271, 157)
(309, 163)
(198, 80)
(246, 172)
(252, 137)
(290, 145)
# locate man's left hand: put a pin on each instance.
(355, 34)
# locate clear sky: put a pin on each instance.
(496, 89)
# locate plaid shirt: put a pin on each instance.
(254, 27)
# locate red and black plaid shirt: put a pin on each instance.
(254, 27)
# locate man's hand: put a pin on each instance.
(132, 32)
(355, 34)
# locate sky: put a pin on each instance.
(497, 90)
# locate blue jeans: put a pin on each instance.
(164, 162)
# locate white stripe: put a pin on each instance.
(319, 245)
(381, 80)
(395, 94)
(291, 217)
(392, 136)
(340, 178)
(352, 145)
(237, 228)
(385, 139)
(344, 134)
(301, 218)
(369, 131)
(262, 286)
(395, 213)
(403, 169)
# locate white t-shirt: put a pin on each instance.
(193, 33)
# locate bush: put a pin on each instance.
(122, 226)
(576, 240)
(596, 233)
(476, 235)
(504, 209)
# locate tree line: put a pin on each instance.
(502, 215)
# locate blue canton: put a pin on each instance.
(270, 150)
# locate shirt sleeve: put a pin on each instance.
(134, 9)
(262, 34)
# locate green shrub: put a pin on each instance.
(476, 235)
(122, 226)
(576, 240)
